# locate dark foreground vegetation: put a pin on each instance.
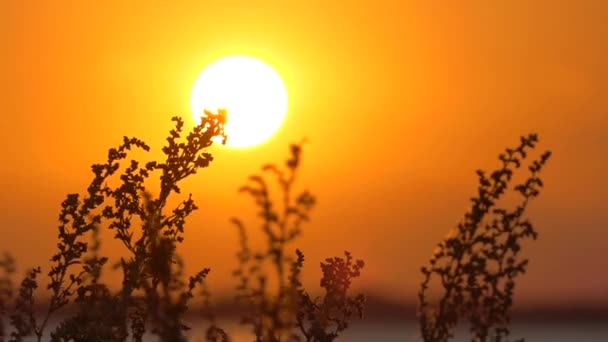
(474, 268)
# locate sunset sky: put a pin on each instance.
(400, 102)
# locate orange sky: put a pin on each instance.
(401, 103)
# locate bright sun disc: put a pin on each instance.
(252, 93)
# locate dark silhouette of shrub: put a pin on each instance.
(323, 319)
(152, 292)
(153, 296)
(279, 315)
(477, 265)
(7, 288)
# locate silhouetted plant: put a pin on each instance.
(23, 319)
(154, 296)
(153, 292)
(7, 289)
(278, 315)
(323, 319)
(272, 314)
(478, 264)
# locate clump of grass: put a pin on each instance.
(288, 311)
(478, 264)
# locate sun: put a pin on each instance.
(252, 93)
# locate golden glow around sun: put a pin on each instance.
(252, 93)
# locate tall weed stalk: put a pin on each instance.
(153, 293)
(289, 313)
(477, 265)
